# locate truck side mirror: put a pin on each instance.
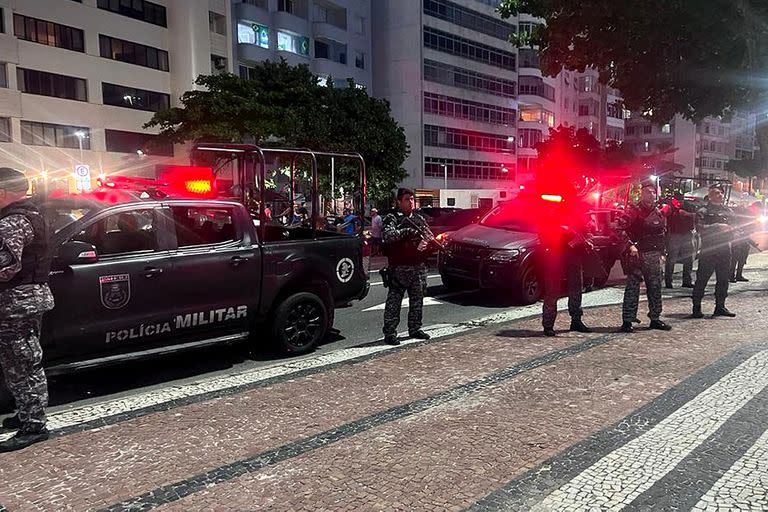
(75, 252)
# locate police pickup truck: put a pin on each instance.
(136, 277)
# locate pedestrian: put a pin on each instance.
(24, 297)
(742, 242)
(407, 252)
(376, 224)
(713, 222)
(566, 238)
(268, 211)
(643, 228)
(681, 224)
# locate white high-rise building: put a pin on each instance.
(332, 37)
(79, 78)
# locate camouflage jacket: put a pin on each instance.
(16, 232)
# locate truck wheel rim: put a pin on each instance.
(303, 324)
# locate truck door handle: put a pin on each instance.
(237, 260)
(151, 272)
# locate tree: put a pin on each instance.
(748, 168)
(284, 105)
(697, 58)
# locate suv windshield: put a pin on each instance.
(509, 217)
(60, 217)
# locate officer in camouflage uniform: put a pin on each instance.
(407, 251)
(713, 222)
(680, 224)
(24, 297)
(745, 227)
(643, 228)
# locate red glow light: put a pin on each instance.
(552, 198)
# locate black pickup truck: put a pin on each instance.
(140, 277)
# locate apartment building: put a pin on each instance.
(450, 75)
(332, 37)
(79, 78)
(698, 151)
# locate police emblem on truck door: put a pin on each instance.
(115, 290)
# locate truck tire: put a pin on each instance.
(300, 323)
(529, 289)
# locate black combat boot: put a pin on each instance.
(24, 438)
(697, 311)
(391, 339)
(668, 285)
(723, 311)
(742, 279)
(687, 284)
(11, 423)
(550, 332)
(732, 279)
(627, 327)
(419, 335)
(660, 326)
(636, 321)
(578, 326)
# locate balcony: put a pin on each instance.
(331, 50)
(534, 86)
(252, 12)
(528, 58)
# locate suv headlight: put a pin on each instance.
(504, 255)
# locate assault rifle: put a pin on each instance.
(426, 235)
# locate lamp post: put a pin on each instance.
(80, 134)
(445, 176)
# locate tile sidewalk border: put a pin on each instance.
(684, 486)
(533, 486)
(175, 491)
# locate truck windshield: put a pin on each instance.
(510, 217)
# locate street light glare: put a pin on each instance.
(80, 134)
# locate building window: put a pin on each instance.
(138, 99)
(247, 73)
(3, 75)
(50, 84)
(444, 137)
(217, 23)
(535, 86)
(257, 3)
(588, 108)
(5, 130)
(457, 108)
(286, 6)
(359, 25)
(587, 84)
(528, 58)
(647, 129)
(468, 169)
(615, 109)
(45, 32)
(467, 18)
(360, 60)
(130, 142)
(136, 9)
(253, 33)
(133, 53)
(666, 128)
(293, 43)
(321, 13)
(56, 135)
(537, 115)
(454, 45)
(529, 138)
(446, 74)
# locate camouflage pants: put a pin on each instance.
(650, 272)
(740, 253)
(713, 262)
(556, 267)
(411, 279)
(21, 361)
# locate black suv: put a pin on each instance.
(506, 255)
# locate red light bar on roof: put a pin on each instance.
(552, 198)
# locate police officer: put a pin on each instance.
(713, 222)
(565, 236)
(24, 297)
(407, 252)
(644, 227)
(680, 224)
(745, 226)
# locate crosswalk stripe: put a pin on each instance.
(622, 475)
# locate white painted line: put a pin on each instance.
(143, 399)
(428, 301)
(624, 474)
(379, 283)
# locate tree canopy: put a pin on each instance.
(579, 151)
(697, 58)
(283, 105)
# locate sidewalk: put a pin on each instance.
(442, 425)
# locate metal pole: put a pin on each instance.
(333, 184)
(445, 176)
(80, 143)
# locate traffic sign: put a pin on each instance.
(83, 177)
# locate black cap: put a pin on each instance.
(402, 192)
(717, 186)
(649, 184)
(13, 180)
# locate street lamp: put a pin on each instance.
(80, 134)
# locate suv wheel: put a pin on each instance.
(529, 289)
(300, 323)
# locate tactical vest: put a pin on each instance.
(405, 252)
(36, 257)
(649, 231)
